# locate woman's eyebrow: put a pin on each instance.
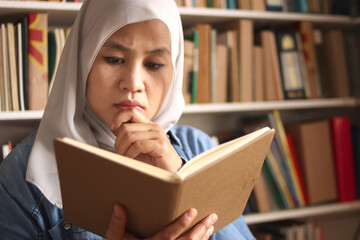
(127, 49)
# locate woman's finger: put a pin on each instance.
(203, 229)
(178, 227)
(116, 229)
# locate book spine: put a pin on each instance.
(344, 158)
(38, 61)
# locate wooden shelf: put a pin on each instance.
(270, 105)
(60, 13)
(211, 15)
(306, 212)
(64, 13)
(213, 108)
(21, 115)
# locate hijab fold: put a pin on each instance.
(67, 113)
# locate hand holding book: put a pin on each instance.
(154, 197)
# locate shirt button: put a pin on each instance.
(67, 226)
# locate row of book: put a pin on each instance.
(29, 55)
(289, 230)
(236, 63)
(301, 6)
(308, 163)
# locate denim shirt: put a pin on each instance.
(25, 213)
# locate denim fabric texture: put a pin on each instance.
(26, 214)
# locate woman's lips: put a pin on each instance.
(129, 105)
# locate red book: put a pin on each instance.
(344, 158)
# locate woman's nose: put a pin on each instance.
(132, 78)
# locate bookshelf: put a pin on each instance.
(15, 125)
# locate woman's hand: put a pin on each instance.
(200, 231)
(141, 139)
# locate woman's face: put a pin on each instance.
(133, 70)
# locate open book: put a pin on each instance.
(219, 180)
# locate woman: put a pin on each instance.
(118, 87)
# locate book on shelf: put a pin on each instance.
(13, 74)
(312, 141)
(221, 78)
(203, 81)
(306, 32)
(229, 38)
(259, 77)
(355, 132)
(154, 197)
(38, 60)
(334, 54)
(6, 67)
(273, 85)
(3, 94)
(244, 29)
(353, 61)
(188, 69)
(290, 65)
(19, 60)
(343, 157)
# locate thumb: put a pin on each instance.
(116, 229)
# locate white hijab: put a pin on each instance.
(67, 113)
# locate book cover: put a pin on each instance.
(258, 88)
(343, 157)
(334, 55)
(2, 83)
(19, 62)
(221, 87)
(6, 68)
(25, 59)
(273, 85)
(309, 53)
(204, 83)
(152, 196)
(38, 61)
(13, 74)
(312, 142)
(274, 5)
(244, 29)
(356, 147)
(229, 38)
(188, 69)
(290, 65)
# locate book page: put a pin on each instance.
(211, 156)
(122, 160)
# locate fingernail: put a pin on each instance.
(191, 213)
(213, 218)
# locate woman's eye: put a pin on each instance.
(154, 66)
(114, 60)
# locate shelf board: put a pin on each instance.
(306, 212)
(21, 115)
(270, 105)
(213, 108)
(211, 15)
(64, 14)
(60, 13)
